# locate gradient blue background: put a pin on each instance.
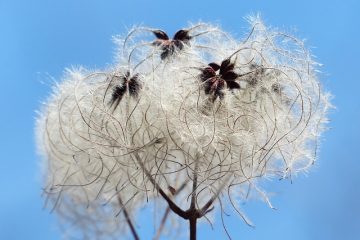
(38, 39)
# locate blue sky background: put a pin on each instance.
(38, 39)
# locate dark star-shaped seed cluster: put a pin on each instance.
(169, 46)
(127, 83)
(216, 77)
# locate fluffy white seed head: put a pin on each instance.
(100, 145)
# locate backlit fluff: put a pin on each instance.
(159, 112)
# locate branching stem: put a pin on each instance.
(173, 206)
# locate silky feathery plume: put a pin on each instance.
(195, 122)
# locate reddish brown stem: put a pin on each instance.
(192, 222)
(175, 208)
(128, 220)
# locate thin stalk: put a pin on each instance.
(193, 213)
(128, 220)
(162, 225)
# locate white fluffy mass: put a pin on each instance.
(160, 116)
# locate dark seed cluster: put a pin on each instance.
(216, 77)
(169, 46)
(130, 84)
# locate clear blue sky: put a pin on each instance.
(38, 39)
